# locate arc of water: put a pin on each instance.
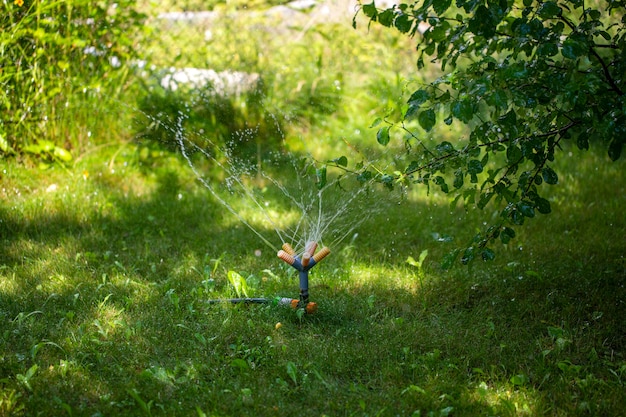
(181, 141)
(318, 227)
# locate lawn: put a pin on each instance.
(107, 266)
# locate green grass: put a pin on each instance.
(106, 267)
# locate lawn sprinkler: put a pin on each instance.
(303, 265)
(300, 263)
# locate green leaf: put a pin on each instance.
(445, 147)
(423, 255)
(468, 255)
(411, 111)
(575, 46)
(517, 217)
(542, 205)
(488, 255)
(387, 180)
(427, 119)
(364, 176)
(506, 234)
(420, 262)
(516, 71)
(446, 411)
(61, 154)
(419, 97)
(46, 146)
(549, 176)
(440, 6)
(292, 371)
(238, 282)
(500, 100)
(582, 141)
(474, 167)
(441, 182)
(320, 177)
(376, 122)
(458, 179)
(413, 167)
(594, 14)
(341, 161)
(463, 110)
(449, 259)
(514, 154)
(547, 49)
(519, 380)
(403, 23)
(483, 23)
(383, 135)
(386, 17)
(370, 10)
(549, 10)
(526, 209)
(438, 33)
(484, 199)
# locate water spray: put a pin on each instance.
(302, 264)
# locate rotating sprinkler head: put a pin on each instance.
(303, 264)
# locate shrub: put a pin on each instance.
(55, 56)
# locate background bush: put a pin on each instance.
(61, 61)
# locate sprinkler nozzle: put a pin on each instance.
(286, 257)
(287, 248)
(306, 258)
(321, 254)
(310, 248)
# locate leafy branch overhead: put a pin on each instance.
(524, 77)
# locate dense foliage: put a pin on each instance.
(525, 77)
(53, 56)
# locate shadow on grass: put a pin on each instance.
(103, 312)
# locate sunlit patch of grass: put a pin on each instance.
(506, 399)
